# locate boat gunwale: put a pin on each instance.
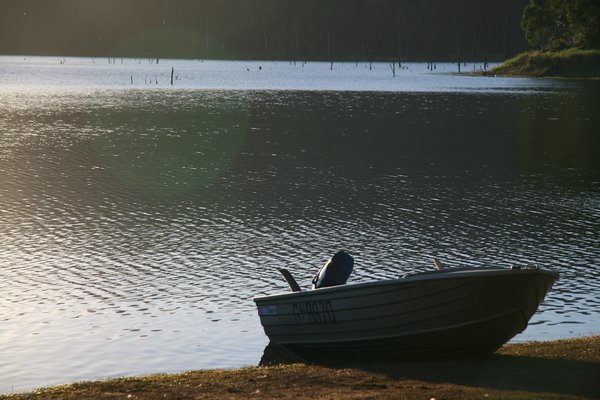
(454, 273)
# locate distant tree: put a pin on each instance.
(537, 22)
(555, 24)
(583, 17)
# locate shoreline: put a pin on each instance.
(560, 369)
(570, 63)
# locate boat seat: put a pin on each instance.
(335, 272)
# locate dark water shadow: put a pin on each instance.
(498, 371)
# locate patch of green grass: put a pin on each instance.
(563, 369)
(565, 63)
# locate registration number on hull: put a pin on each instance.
(314, 312)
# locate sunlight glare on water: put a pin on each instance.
(44, 73)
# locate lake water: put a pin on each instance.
(139, 218)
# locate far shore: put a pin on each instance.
(570, 63)
(563, 369)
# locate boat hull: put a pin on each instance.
(439, 314)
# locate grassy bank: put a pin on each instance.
(573, 63)
(565, 369)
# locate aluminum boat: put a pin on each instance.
(442, 313)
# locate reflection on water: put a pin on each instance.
(137, 225)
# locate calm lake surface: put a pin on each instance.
(139, 218)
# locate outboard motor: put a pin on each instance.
(335, 272)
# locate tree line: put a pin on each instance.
(265, 29)
(558, 24)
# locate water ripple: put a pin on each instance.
(137, 225)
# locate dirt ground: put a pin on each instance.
(566, 369)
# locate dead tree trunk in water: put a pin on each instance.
(458, 56)
(297, 44)
(399, 44)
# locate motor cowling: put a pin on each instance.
(335, 272)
